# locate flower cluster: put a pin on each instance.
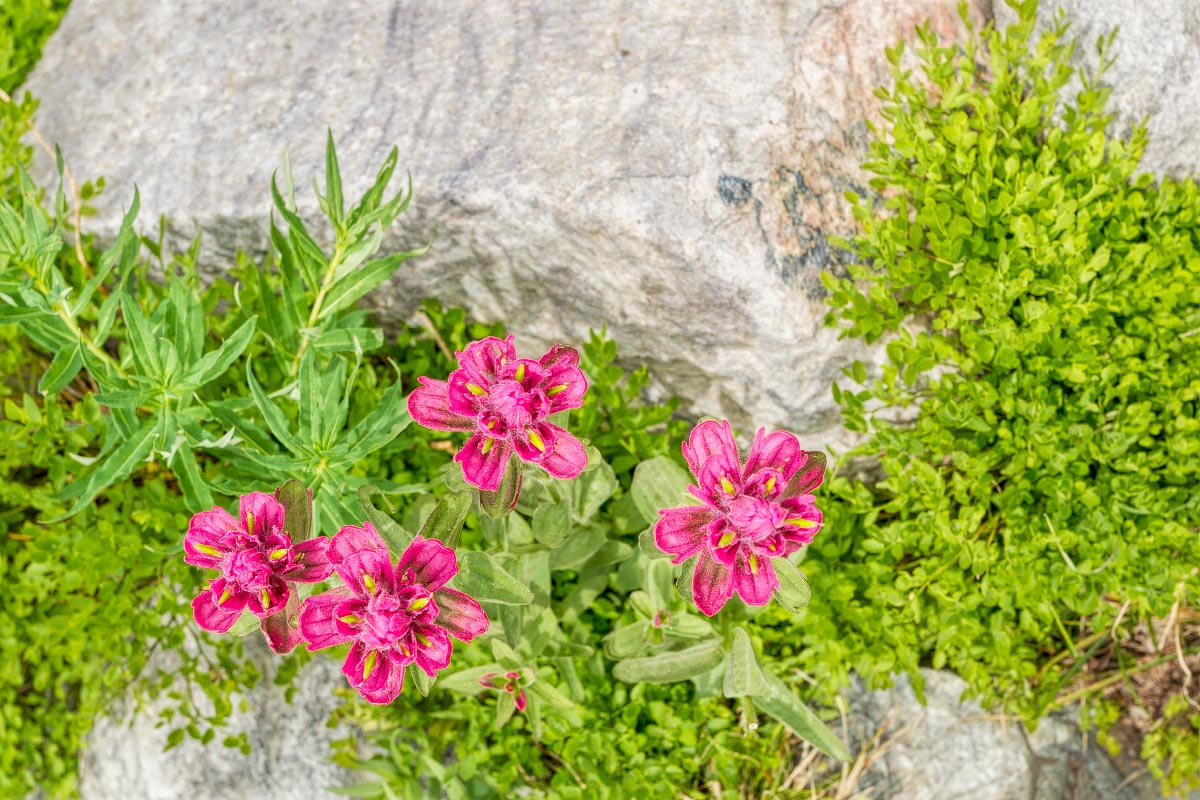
(258, 562)
(751, 513)
(504, 401)
(394, 614)
(391, 614)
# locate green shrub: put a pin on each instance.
(1040, 303)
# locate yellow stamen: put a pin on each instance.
(351, 619)
(423, 640)
(250, 523)
(488, 444)
(801, 522)
(491, 424)
(369, 582)
(536, 441)
(225, 595)
(404, 649)
(771, 483)
(753, 564)
(369, 663)
(772, 547)
(207, 549)
(556, 390)
(726, 540)
(418, 604)
(476, 389)
(278, 554)
(266, 598)
(519, 375)
(728, 486)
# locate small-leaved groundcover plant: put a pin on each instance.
(1037, 527)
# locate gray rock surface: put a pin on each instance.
(672, 170)
(289, 759)
(1157, 71)
(954, 750)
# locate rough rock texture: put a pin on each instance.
(951, 750)
(670, 169)
(1157, 71)
(290, 744)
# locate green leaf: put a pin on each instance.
(658, 483)
(793, 592)
(446, 520)
(420, 679)
(482, 578)
(296, 499)
(354, 340)
(591, 489)
(689, 626)
(63, 369)
(387, 420)
(551, 524)
(549, 694)
(648, 547)
(467, 680)
(141, 339)
(506, 706)
(113, 468)
(276, 421)
(626, 641)
(195, 489)
(333, 186)
(742, 674)
(350, 289)
(683, 584)
(393, 534)
(777, 699)
(501, 502)
(677, 665)
(578, 548)
(214, 363)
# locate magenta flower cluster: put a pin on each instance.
(751, 513)
(394, 614)
(504, 402)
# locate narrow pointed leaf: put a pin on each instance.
(296, 499)
(397, 538)
(677, 665)
(793, 592)
(446, 520)
(742, 674)
(780, 702)
(63, 369)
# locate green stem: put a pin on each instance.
(315, 313)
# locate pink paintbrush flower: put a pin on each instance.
(508, 682)
(257, 562)
(752, 513)
(504, 401)
(392, 615)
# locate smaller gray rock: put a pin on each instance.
(950, 749)
(289, 759)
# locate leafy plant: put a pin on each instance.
(1039, 301)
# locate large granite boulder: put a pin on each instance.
(672, 170)
(1156, 73)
